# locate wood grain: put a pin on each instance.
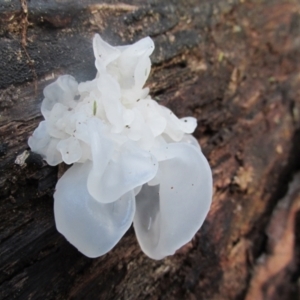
(235, 66)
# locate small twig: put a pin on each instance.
(24, 27)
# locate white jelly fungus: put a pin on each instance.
(133, 159)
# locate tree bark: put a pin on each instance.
(235, 66)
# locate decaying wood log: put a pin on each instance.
(235, 66)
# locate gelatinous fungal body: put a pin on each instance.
(133, 160)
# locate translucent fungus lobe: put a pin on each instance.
(133, 160)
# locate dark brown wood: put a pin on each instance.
(235, 66)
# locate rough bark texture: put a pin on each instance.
(235, 66)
